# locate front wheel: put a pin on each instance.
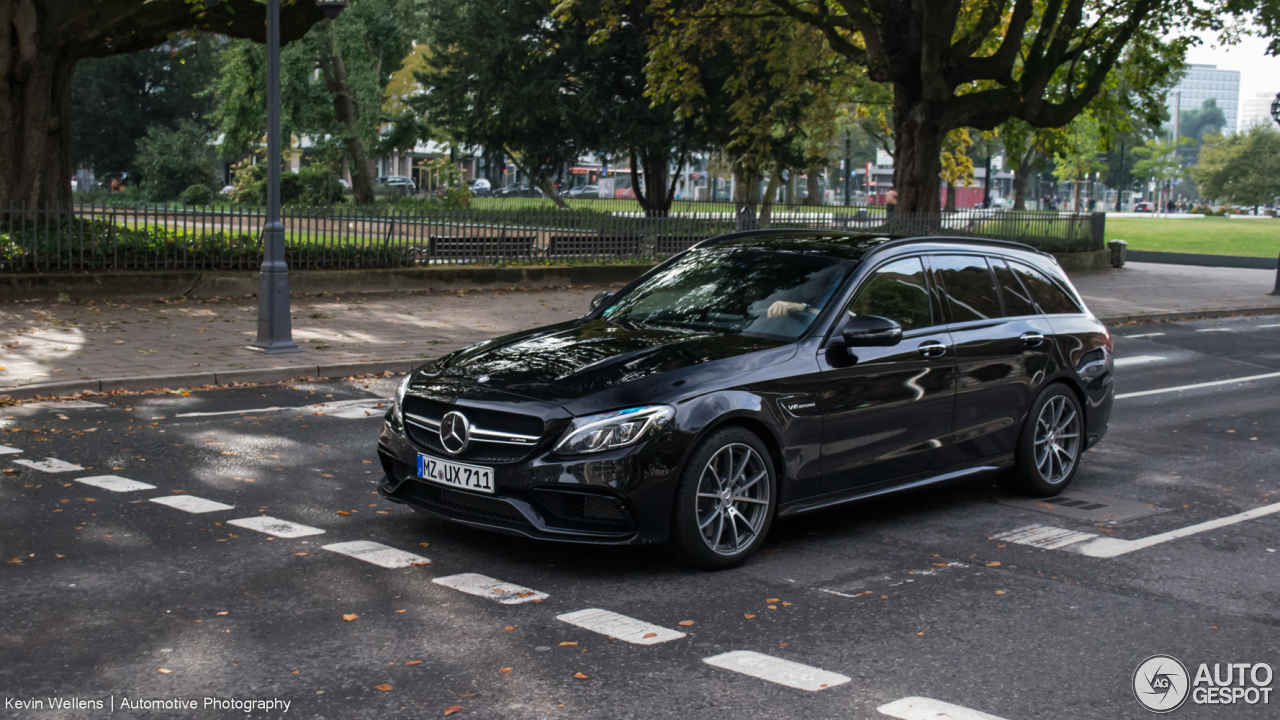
(1052, 440)
(725, 501)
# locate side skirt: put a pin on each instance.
(857, 494)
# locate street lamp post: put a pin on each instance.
(275, 333)
(1275, 115)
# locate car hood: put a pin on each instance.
(566, 362)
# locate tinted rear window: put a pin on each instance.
(1016, 299)
(1047, 294)
(967, 284)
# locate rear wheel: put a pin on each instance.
(725, 501)
(1051, 443)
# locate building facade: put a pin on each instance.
(1207, 81)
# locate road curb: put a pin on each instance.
(186, 381)
(1190, 314)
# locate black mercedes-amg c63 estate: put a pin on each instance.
(759, 374)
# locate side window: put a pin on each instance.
(1016, 300)
(1046, 293)
(896, 291)
(968, 286)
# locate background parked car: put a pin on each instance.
(518, 190)
(1144, 206)
(397, 181)
(584, 191)
(480, 187)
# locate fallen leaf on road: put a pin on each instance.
(224, 612)
(509, 627)
(453, 709)
(383, 687)
(414, 662)
(649, 635)
(301, 554)
(343, 512)
(580, 676)
(424, 544)
(349, 617)
(994, 563)
(166, 672)
(919, 633)
(748, 615)
(1000, 592)
(504, 670)
(687, 623)
(402, 611)
(785, 604)
(567, 642)
(772, 607)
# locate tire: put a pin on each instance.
(715, 527)
(1050, 445)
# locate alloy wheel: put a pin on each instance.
(733, 499)
(1057, 439)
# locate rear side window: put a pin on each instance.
(1016, 299)
(896, 291)
(968, 287)
(1047, 294)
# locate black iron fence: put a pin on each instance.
(94, 237)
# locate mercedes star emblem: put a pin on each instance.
(455, 432)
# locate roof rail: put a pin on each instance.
(791, 232)
(960, 238)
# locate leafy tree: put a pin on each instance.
(333, 82)
(172, 159)
(41, 41)
(957, 166)
(1160, 161)
(1078, 154)
(1195, 124)
(115, 99)
(1243, 168)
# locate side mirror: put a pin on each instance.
(599, 300)
(870, 331)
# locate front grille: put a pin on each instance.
(583, 507)
(477, 450)
(461, 502)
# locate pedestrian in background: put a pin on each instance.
(890, 203)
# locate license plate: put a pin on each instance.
(445, 472)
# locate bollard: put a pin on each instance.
(1117, 252)
(1276, 291)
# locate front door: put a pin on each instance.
(887, 410)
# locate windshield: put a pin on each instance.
(740, 291)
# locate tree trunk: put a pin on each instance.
(770, 191)
(348, 113)
(548, 188)
(812, 188)
(35, 99)
(1020, 173)
(917, 162)
(745, 188)
(951, 198)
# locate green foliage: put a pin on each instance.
(1159, 160)
(197, 195)
(114, 100)
(248, 183)
(170, 160)
(1243, 168)
(1078, 150)
(311, 185)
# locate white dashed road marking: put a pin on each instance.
(1047, 537)
(1138, 360)
(1144, 335)
(377, 553)
(1268, 326)
(1197, 386)
(783, 672)
(1106, 547)
(620, 626)
(487, 587)
(192, 504)
(1214, 330)
(919, 708)
(50, 465)
(331, 408)
(274, 526)
(6, 450)
(115, 483)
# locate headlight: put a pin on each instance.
(400, 391)
(606, 431)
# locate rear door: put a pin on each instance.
(887, 410)
(1003, 348)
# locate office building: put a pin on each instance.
(1207, 81)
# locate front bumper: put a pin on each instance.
(614, 498)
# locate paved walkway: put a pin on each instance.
(62, 348)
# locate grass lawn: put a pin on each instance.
(1211, 236)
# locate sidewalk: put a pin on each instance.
(52, 348)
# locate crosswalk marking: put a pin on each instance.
(377, 553)
(275, 526)
(1046, 537)
(487, 587)
(50, 465)
(6, 450)
(191, 504)
(777, 670)
(115, 483)
(624, 628)
(921, 708)
(1138, 360)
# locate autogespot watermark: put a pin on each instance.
(112, 703)
(1162, 684)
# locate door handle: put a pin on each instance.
(932, 348)
(1032, 339)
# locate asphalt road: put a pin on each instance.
(109, 597)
